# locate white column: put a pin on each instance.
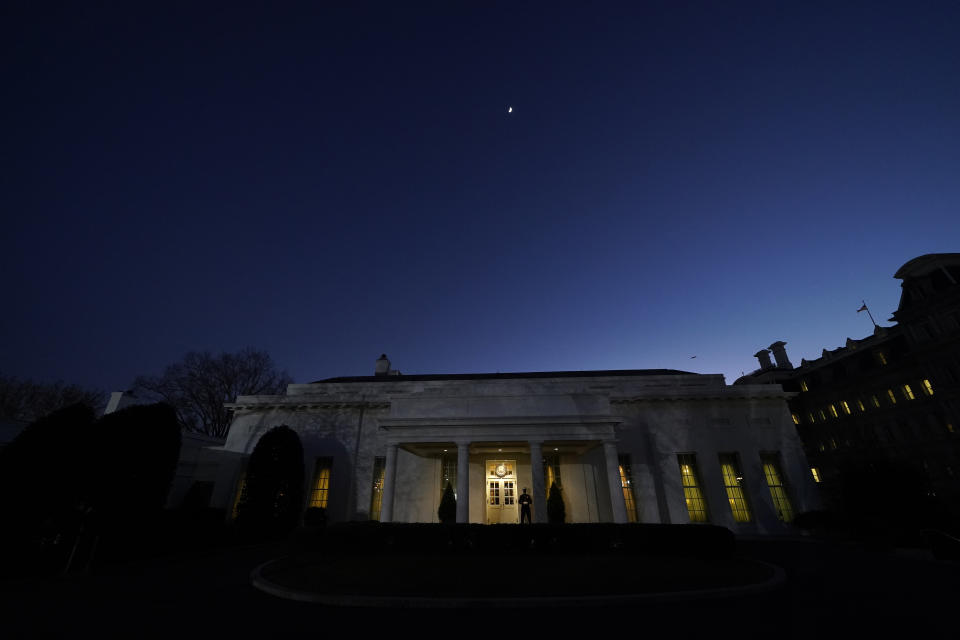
(463, 482)
(613, 479)
(539, 491)
(389, 482)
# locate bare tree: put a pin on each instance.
(199, 385)
(26, 400)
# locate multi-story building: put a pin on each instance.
(880, 416)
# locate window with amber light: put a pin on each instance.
(551, 471)
(778, 490)
(810, 416)
(893, 398)
(696, 504)
(803, 386)
(815, 472)
(927, 387)
(796, 419)
(846, 407)
(833, 411)
(321, 483)
(626, 484)
(876, 402)
(241, 494)
(860, 404)
(733, 483)
(376, 491)
(448, 471)
(907, 392)
(881, 358)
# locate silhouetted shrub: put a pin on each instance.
(272, 497)
(556, 510)
(447, 511)
(133, 462)
(135, 458)
(44, 479)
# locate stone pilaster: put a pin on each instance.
(389, 483)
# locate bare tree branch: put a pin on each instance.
(200, 384)
(26, 400)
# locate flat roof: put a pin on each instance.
(621, 373)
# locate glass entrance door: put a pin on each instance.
(501, 492)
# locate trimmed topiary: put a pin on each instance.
(447, 511)
(556, 510)
(272, 497)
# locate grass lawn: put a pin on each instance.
(508, 575)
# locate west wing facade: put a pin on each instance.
(619, 446)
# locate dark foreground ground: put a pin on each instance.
(831, 591)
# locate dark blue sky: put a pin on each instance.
(332, 182)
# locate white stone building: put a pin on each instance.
(622, 446)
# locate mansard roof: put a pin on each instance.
(624, 373)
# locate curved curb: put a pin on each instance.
(427, 602)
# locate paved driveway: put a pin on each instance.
(831, 591)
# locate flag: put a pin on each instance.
(863, 308)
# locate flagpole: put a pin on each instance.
(867, 309)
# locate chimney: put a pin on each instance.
(764, 357)
(383, 366)
(780, 354)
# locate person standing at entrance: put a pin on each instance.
(525, 501)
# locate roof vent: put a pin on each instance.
(383, 366)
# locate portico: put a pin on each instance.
(495, 459)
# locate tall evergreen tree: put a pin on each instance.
(556, 510)
(447, 511)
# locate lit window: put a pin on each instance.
(893, 398)
(876, 401)
(816, 474)
(626, 484)
(551, 469)
(860, 404)
(846, 407)
(376, 491)
(810, 416)
(803, 386)
(733, 482)
(823, 416)
(696, 504)
(321, 483)
(822, 447)
(833, 411)
(907, 392)
(927, 387)
(241, 494)
(833, 443)
(881, 358)
(796, 419)
(778, 491)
